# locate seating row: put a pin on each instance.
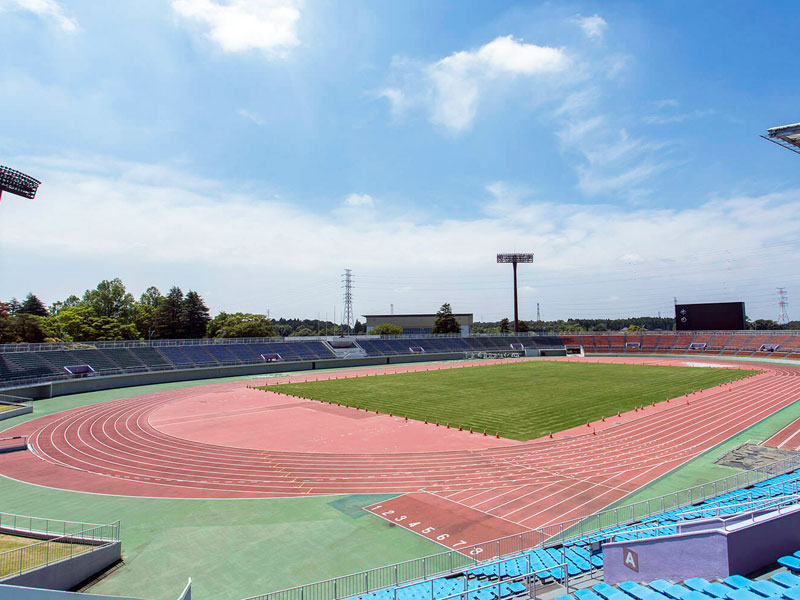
(734, 587)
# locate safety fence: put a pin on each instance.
(74, 540)
(24, 524)
(16, 401)
(438, 565)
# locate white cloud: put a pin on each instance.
(359, 200)
(250, 116)
(120, 219)
(397, 99)
(612, 162)
(594, 27)
(461, 78)
(451, 89)
(678, 118)
(241, 25)
(46, 9)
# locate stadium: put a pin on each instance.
(150, 451)
(455, 499)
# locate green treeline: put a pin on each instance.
(110, 312)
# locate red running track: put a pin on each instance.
(476, 494)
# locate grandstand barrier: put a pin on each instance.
(697, 346)
(68, 552)
(633, 345)
(80, 370)
(452, 561)
(37, 388)
(17, 592)
(416, 349)
(271, 357)
(518, 347)
(15, 405)
(769, 347)
(490, 354)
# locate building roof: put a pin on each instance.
(414, 315)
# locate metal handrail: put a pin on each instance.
(47, 552)
(42, 525)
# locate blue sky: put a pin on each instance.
(252, 150)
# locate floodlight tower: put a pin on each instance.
(17, 183)
(515, 258)
(787, 136)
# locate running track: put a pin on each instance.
(472, 494)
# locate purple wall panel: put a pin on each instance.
(674, 558)
(705, 549)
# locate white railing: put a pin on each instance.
(56, 549)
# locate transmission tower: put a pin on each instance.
(783, 302)
(347, 315)
(538, 315)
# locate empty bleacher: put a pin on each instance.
(753, 345)
(718, 342)
(736, 343)
(682, 342)
(785, 343)
(20, 361)
(650, 342)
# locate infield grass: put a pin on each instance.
(521, 401)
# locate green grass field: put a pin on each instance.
(522, 400)
(37, 554)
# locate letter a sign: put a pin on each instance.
(630, 559)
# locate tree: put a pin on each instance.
(82, 323)
(13, 306)
(505, 326)
(302, 331)
(32, 306)
(764, 324)
(110, 299)
(522, 327)
(240, 325)
(28, 328)
(386, 329)
(194, 316)
(634, 328)
(445, 321)
(167, 319)
(151, 297)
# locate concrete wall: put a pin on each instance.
(92, 384)
(15, 412)
(13, 592)
(67, 574)
(752, 547)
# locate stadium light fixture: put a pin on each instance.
(17, 183)
(514, 258)
(787, 136)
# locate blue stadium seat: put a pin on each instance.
(787, 580)
(790, 562)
